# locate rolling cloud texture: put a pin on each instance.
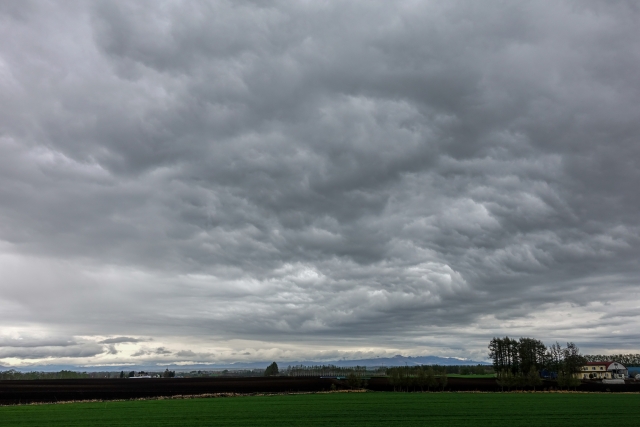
(217, 180)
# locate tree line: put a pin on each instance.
(522, 362)
(330, 371)
(404, 378)
(464, 369)
(412, 378)
(62, 375)
(364, 371)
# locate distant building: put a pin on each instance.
(602, 370)
(634, 372)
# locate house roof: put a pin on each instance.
(605, 364)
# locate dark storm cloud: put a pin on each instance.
(186, 353)
(141, 353)
(386, 174)
(162, 350)
(43, 352)
(35, 342)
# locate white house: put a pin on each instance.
(602, 370)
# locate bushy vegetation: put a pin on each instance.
(363, 371)
(507, 379)
(464, 369)
(330, 371)
(223, 373)
(417, 378)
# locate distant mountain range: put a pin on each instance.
(397, 360)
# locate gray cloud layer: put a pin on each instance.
(120, 340)
(412, 175)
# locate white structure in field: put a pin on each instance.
(603, 371)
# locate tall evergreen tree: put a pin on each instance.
(271, 370)
(531, 353)
(573, 360)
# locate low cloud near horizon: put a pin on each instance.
(217, 181)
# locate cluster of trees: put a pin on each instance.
(464, 369)
(166, 374)
(133, 374)
(521, 362)
(628, 360)
(224, 373)
(363, 371)
(330, 371)
(510, 380)
(271, 370)
(406, 378)
(354, 381)
(62, 375)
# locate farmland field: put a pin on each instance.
(47, 391)
(344, 409)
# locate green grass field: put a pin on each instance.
(344, 409)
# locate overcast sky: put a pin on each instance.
(207, 181)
